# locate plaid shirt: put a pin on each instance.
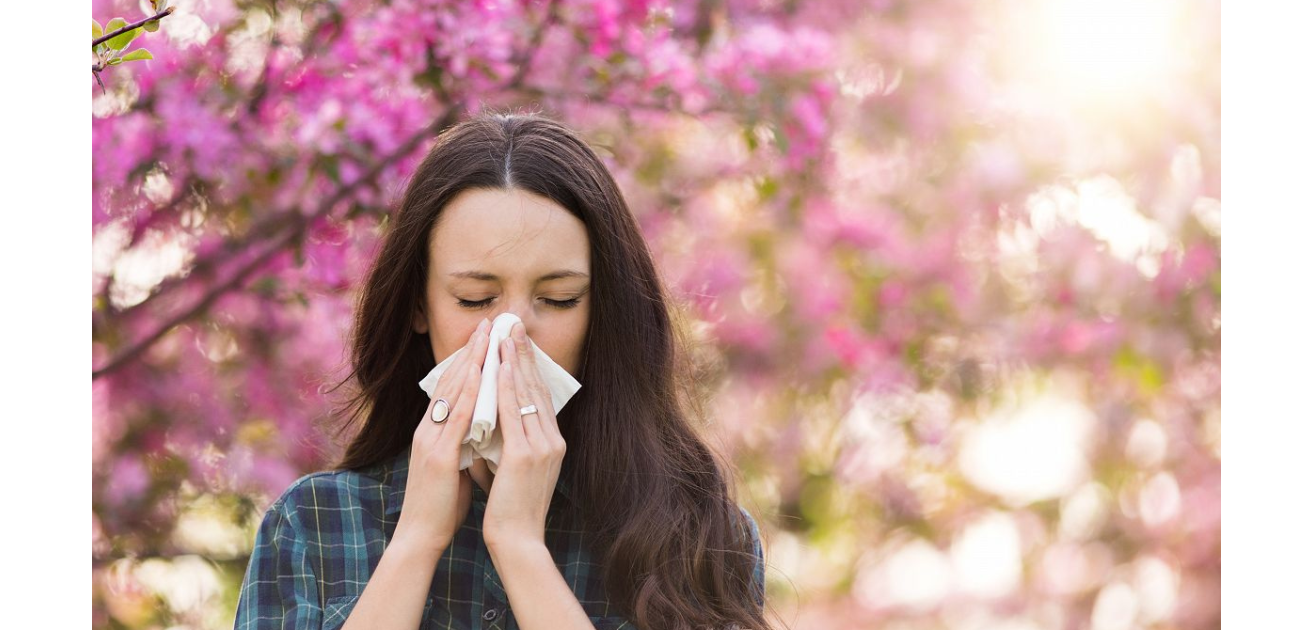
(320, 541)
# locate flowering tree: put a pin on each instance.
(108, 42)
(958, 280)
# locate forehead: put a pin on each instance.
(507, 232)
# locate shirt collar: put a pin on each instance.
(397, 468)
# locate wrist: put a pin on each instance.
(427, 548)
(515, 548)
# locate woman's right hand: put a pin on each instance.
(437, 497)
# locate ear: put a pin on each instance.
(420, 323)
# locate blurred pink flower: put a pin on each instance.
(127, 481)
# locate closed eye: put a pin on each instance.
(561, 304)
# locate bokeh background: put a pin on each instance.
(955, 268)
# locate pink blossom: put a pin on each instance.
(127, 481)
(832, 186)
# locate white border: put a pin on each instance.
(1268, 185)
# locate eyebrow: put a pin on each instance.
(555, 275)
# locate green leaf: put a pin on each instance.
(138, 54)
(750, 138)
(115, 24)
(114, 62)
(152, 26)
(120, 42)
(96, 30)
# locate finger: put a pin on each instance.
(526, 361)
(533, 431)
(467, 354)
(471, 353)
(449, 383)
(462, 412)
(444, 390)
(536, 391)
(422, 428)
(435, 429)
(508, 410)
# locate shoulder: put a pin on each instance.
(328, 492)
(751, 522)
(759, 559)
(753, 533)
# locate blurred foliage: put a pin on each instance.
(955, 267)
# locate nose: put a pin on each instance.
(523, 309)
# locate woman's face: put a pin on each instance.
(497, 251)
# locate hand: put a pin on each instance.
(532, 450)
(438, 493)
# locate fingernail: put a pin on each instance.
(483, 325)
(518, 330)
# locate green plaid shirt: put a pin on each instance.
(320, 541)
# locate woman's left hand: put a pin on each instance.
(532, 450)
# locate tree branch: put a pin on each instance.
(298, 223)
(115, 33)
(525, 59)
(204, 266)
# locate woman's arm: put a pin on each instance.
(394, 596)
(537, 591)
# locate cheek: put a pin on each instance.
(562, 341)
(445, 348)
(567, 342)
(450, 331)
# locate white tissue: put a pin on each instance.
(483, 440)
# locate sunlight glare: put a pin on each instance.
(1031, 453)
(1099, 55)
(986, 556)
(1103, 207)
(138, 270)
(1108, 44)
(915, 575)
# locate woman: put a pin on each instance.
(637, 527)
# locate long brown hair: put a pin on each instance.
(657, 500)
